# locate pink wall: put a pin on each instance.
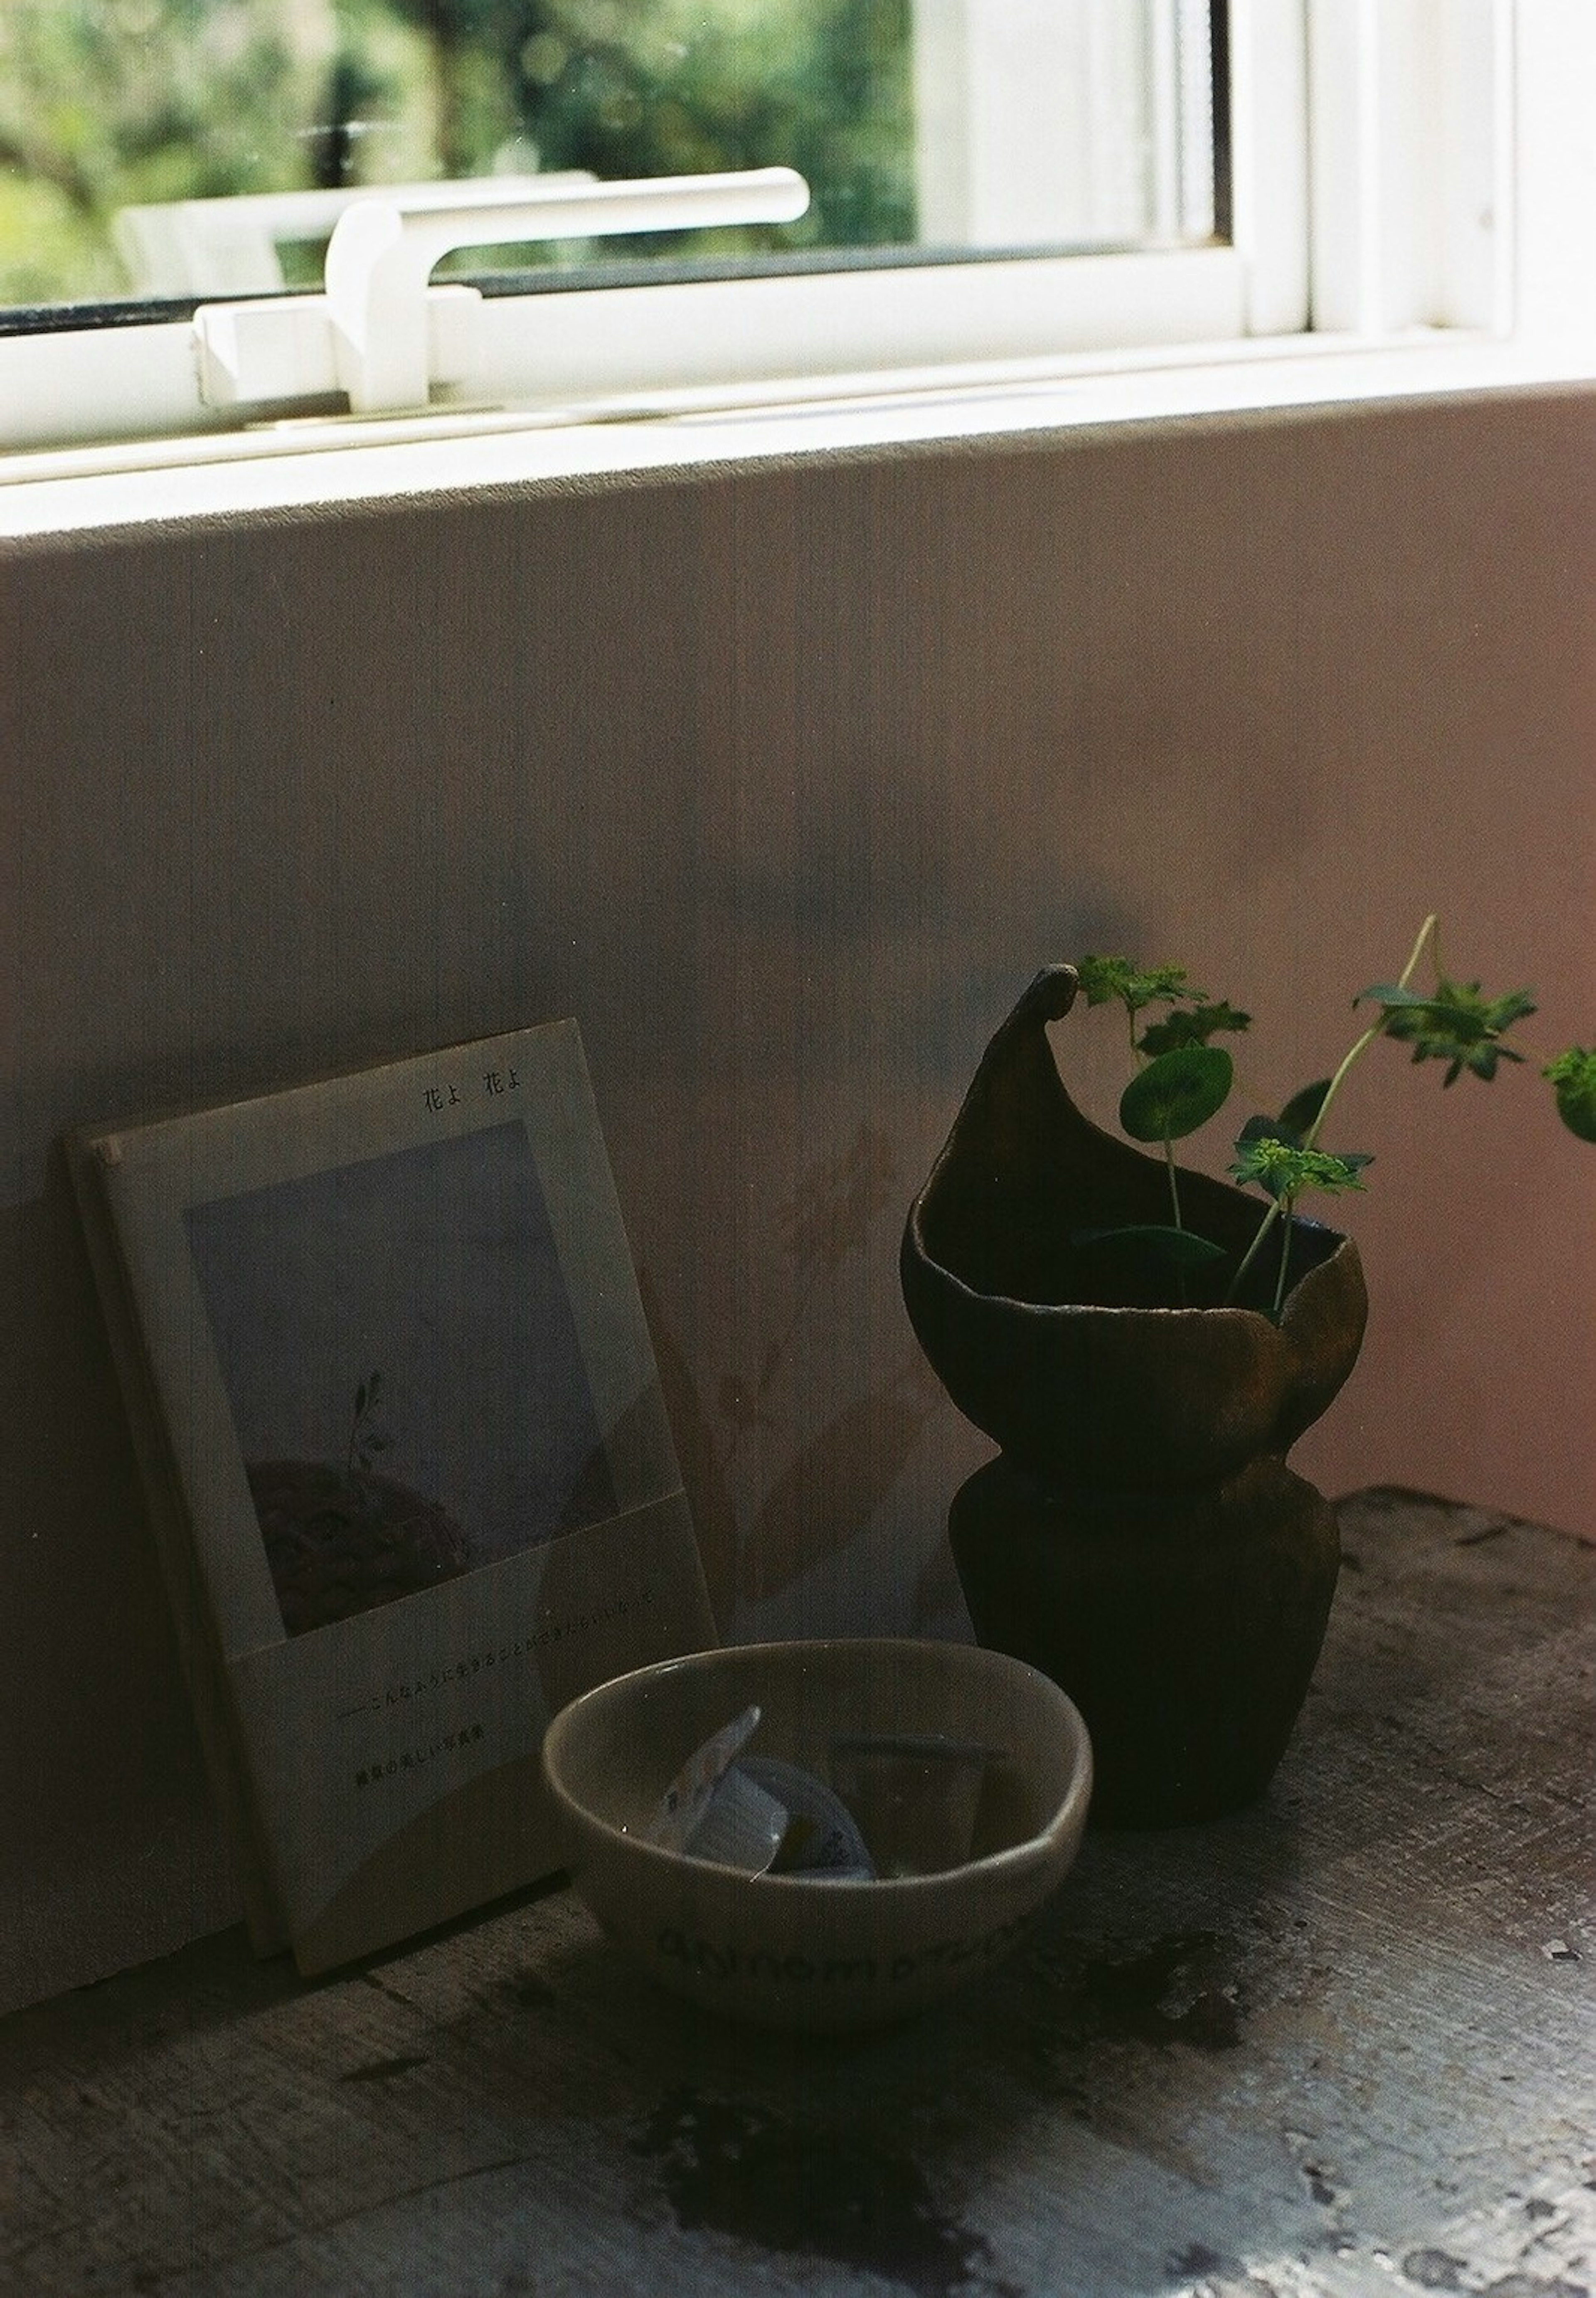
(784, 781)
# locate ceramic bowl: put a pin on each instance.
(790, 1950)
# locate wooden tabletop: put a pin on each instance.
(1344, 2043)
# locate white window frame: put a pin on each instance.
(1339, 240)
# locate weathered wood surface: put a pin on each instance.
(1344, 2043)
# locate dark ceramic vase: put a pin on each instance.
(1141, 1539)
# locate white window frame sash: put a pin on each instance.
(579, 352)
(1288, 265)
(551, 351)
(1412, 186)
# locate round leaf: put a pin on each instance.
(1267, 1129)
(1578, 1113)
(1176, 1092)
(1573, 1075)
(1304, 1107)
(1181, 1249)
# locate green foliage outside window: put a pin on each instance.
(107, 103)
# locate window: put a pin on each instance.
(989, 182)
(918, 124)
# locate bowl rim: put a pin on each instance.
(1014, 1857)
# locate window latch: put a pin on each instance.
(379, 333)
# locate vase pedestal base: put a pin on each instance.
(1184, 1625)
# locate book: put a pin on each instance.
(408, 1464)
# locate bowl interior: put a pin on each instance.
(614, 1751)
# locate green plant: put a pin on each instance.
(1183, 1080)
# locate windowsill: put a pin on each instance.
(319, 465)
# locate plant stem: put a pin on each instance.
(1169, 1156)
(1426, 934)
(1271, 1214)
(1284, 1256)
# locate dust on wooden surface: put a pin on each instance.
(1342, 2044)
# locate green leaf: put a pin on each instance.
(1192, 1027)
(1176, 1092)
(1300, 1110)
(1283, 1177)
(1265, 1129)
(1106, 979)
(1283, 1168)
(1573, 1076)
(1179, 1249)
(1390, 993)
(1457, 1024)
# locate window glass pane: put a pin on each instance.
(933, 125)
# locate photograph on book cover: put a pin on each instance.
(400, 1353)
(392, 1336)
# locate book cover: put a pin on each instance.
(408, 1466)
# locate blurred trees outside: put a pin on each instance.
(107, 103)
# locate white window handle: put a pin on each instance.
(371, 333)
(204, 248)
